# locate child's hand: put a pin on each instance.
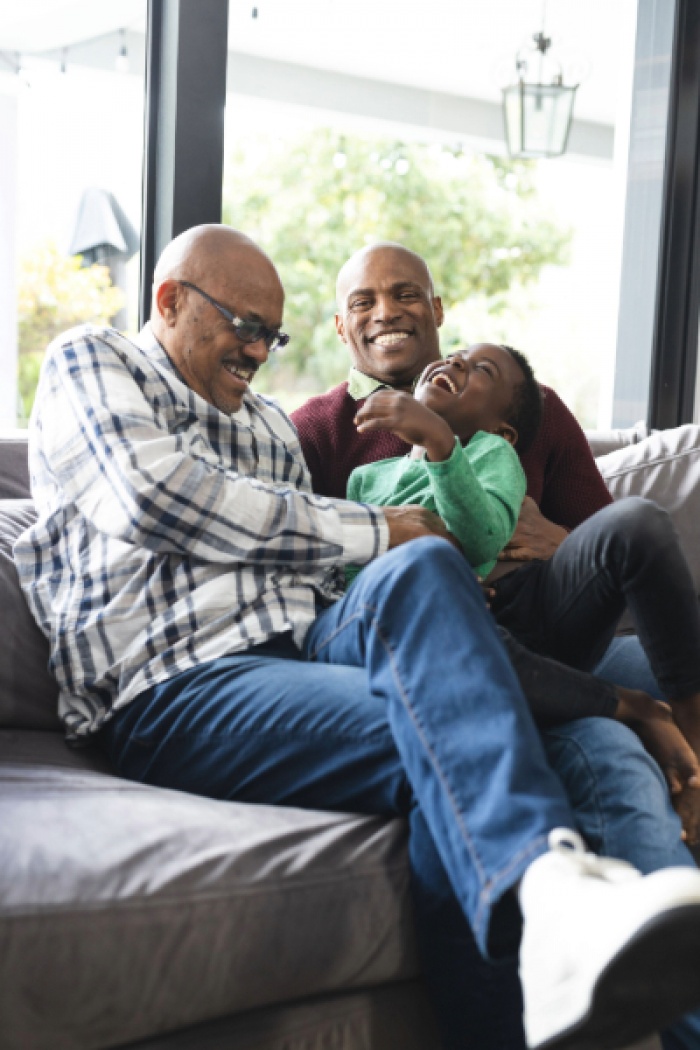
(653, 723)
(409, 420)
(487, 590)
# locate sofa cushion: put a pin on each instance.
(14, 467)
(664, 467)
(28, 693)
(396, 1017)
(387, 1017)
(128, 910)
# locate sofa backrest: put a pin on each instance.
(603, 441)
(28, 693)
(14, 468)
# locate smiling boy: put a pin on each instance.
(469, 414)
(462, 424)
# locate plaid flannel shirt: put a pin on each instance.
(169, 534)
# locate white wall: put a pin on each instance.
(8, 254)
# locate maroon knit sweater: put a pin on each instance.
(562, 476)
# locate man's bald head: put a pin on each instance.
(358, 262)
(203, 250)
(204, 275)
(388, 313)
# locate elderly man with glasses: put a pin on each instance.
(191, 587)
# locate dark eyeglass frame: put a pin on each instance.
(246, 331)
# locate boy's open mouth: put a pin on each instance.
(442, 379)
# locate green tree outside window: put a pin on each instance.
(311, 203)
(56, 293)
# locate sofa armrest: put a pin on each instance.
(604, 441)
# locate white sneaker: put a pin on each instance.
(607, 956)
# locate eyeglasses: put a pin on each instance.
(246, 331)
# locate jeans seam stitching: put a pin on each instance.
(436, 765)
(492, 886)
(313, 653)
(489, 886)
(214, 735)
(568, 741)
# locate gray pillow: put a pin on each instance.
(28, 693)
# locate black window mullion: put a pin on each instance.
(186, 54)
(675, 342)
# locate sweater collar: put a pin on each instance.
(361, 386)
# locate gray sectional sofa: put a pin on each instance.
(137, 917)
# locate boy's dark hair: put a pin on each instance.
(525, 410)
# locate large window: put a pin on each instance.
(356, 141)
(71, 134)
(348, 120)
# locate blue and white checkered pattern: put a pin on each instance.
(169, 534)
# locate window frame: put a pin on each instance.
(186, 65)
(675, 338)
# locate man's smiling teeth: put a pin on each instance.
(246, 374)
(389, 338)
(442, 379)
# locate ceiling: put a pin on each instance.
(462, 47)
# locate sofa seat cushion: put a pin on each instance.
(385, 1017)
(127, 910)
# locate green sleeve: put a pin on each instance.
(478, 492)
(355, 486)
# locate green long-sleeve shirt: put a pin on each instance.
(477, 492)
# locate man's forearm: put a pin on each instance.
(141, 479)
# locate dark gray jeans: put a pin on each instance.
(567, 608)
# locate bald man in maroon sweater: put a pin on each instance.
(389, 316)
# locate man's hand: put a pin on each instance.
(534, 537)
(653, 723)
(409, 523)
(686, 714)
(410, 420)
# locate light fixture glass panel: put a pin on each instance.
(538, 118)
(513, 113)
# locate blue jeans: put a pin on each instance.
(403, 704)
(626, 663)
